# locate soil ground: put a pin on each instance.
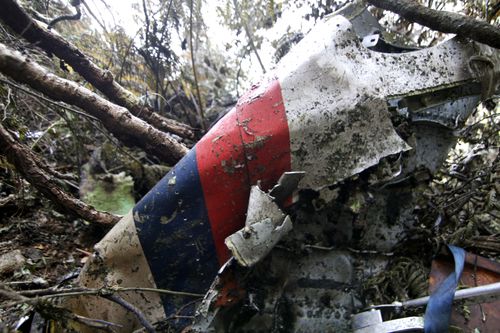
(54, 248)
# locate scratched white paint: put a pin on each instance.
(335, 92)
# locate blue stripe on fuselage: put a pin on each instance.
(174, 230)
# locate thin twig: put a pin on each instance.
(40, 96)
(195, 75)
(249, 35)
(51, 126)
(87, 253)
(138, 314)
(5, 107)
(101, 24)
(94, 323)
(8, 293)
(127, 52)
(159, 291)
(74, 17)
(49, 293)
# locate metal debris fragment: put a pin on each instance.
(371, 322)
(287, 183)
(266, 224)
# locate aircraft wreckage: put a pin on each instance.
(226, 222)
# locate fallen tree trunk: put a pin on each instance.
(131, 130)
(18, 20)
(443, 21)
(33, 170)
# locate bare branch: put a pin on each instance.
(137, 313)
(74, 17)
(49, 292)
(19, 21)
(195, 75)
(94, 323)
(27, 163)
(131, 130)
(37, 296)
(443, 21)
(64, 314)
(8, 293)
(249, 35)
(101, 24)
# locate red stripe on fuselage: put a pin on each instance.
(250, 144)
(264, 130)
(224, 179)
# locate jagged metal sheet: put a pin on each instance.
(266, 224)
(335, 93)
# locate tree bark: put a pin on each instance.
(443, 21)
(19, 21)
(27, 163)
(131, 130)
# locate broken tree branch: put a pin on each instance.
(27, 163)
(75, 17)
(443, 21)
(131, 130)
(19, 21)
